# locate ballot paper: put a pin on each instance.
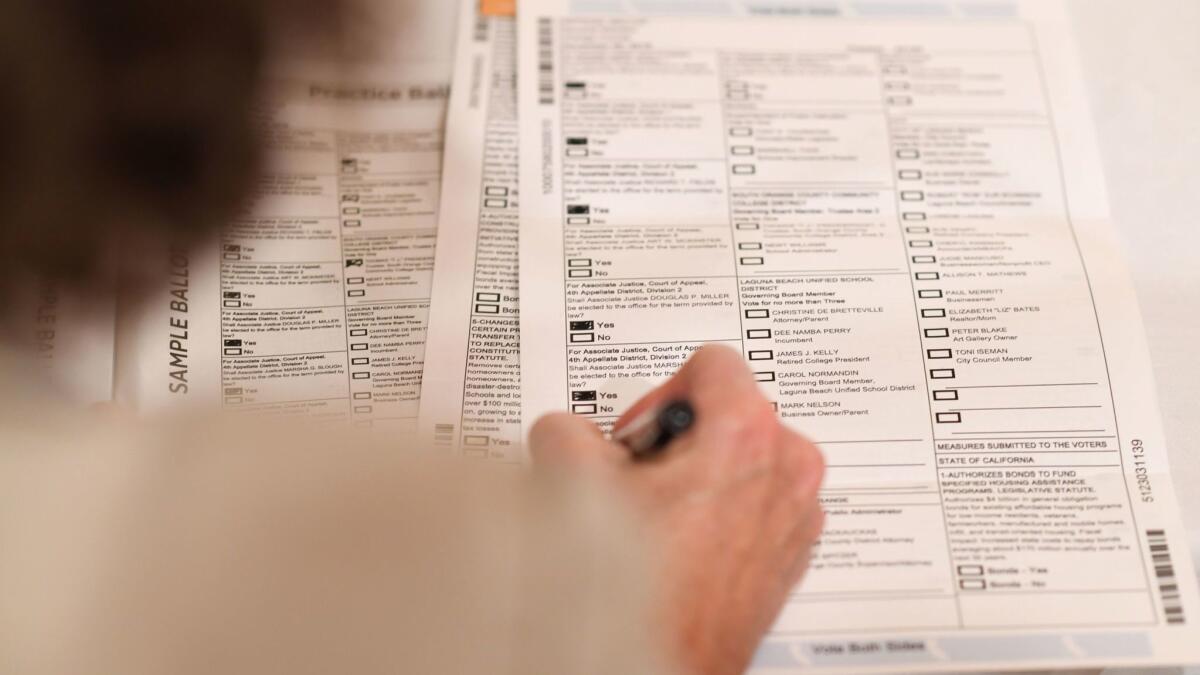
(895, 212)
(314, 301)
(470, 396)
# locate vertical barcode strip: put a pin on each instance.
(443, 435)
(545, 62)
(1164, 573)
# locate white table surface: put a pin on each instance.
(1141, 61)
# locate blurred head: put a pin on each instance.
(124, 123)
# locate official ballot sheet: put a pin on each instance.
(314, 301)
(470, 397)
(895, 212)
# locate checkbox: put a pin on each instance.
(764, 376)
(913, 215)
(899, 100)
(583, 337)
(737, 95)
(949, 418)
(928, 276)
(352, 223)
(360, 376)
(751, 260)
(481, 308)
(939, 353)
(495, 191)
(577, 152)
(917, 229)
(910, 174)
(579, 274)
(924, 259)
(356, 293)
(908, 153)
(579, 262)
(758, 314)
(362, 396)
(233, 351)
(475, 440)
(583, 408)
(970, 570)
(941, 374)
(896, 85)
(741, 150)
(972, 584)
(762, 354)
(578, 220)
(945, 394)
(495, 203)
(744, 169)
(487, 297)
(920, 243)
(750, 246)
(895, 70)
(233, 400)
(929, 293)
(349, 198)
(758, 333)
(232, 256)
(747, 226)
(936, 313)
(354, 281)
(232, 304)
(360, 362)
(364, 424)
(741, 132)
(362, 409)
(358, 332)
(912, 196)
(937, 332)
(351, 211)
(358, 347)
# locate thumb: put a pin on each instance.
(566, 440)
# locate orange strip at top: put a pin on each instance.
(498, 7)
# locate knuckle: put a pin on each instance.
(746, 424)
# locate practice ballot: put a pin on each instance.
(312, 303)
(896, 215)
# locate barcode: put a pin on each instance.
(545, 62)
(1164, 573)
(443, 435)
(481, 28)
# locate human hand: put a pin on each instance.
(731, 506)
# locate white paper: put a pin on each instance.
(470, 398)
(895, 212)
(314, 302)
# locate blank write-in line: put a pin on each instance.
(1046, 384)
(1036, 431)
(1032, 407)
(879, 440)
